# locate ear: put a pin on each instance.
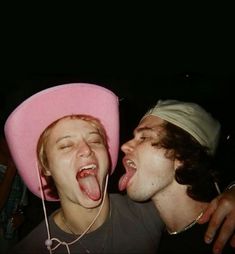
(177, 164)
(46, 171)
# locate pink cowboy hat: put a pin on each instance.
(27, 122)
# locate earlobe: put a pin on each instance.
(46, 172)
(177, 164)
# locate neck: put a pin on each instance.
(178, 211)
(76, 219)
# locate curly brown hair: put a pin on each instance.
(198, 170)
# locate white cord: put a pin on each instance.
(230, 186)
(217, 187)
(50, 240)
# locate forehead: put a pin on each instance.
(68, 124)
(72, 121)
(150, 123)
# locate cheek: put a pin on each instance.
(57, 162)
(153, 162)
(104, 160)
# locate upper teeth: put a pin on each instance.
(130, 163)
(92, 166)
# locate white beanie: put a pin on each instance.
(191, 118)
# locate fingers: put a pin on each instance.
(224, 235)
(223, 216)
(209, 211)
(213, 225)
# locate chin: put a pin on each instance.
(138, 195)
(135, 196)
(89, 204)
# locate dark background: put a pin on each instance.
(139, 83)
(142, 53)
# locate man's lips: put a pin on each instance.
(130, 171)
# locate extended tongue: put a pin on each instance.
(125, 179)
(90, 186)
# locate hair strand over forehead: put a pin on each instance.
(41, 146)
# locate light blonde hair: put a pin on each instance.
(42, 142)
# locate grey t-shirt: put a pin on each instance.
(131, 228)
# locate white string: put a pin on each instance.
(230, 186)
(217, 187)
(50, 240)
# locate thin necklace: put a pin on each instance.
(83, 246)
(188, 226)
(71, 231)
(67, 244)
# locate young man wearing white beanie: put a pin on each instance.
(170, 161)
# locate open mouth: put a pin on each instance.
(87, 170)
(130, 171)
(88, 182)
(129, 164)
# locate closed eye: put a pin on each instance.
(96, 141)
(144, 138)
(65, 146)
(95, 138)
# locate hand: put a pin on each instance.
(221, 212)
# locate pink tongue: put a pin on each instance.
(90, 186)
(125, 179)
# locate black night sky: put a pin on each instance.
(184, 52)
(142, 56)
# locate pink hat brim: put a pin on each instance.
(27, 122)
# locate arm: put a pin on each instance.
(221, 212)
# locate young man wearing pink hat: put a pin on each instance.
(65, 142)
(170, 161)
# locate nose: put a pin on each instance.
(84, 150)
(127, 147)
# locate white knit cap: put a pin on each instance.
(191, 118)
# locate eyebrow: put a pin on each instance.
(59, 139)
(138, 130)
(69, 136)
